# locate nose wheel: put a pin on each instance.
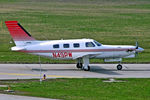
(119, 67)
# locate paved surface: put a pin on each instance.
(27, 71)
(15, 97)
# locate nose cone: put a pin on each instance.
(139, 49)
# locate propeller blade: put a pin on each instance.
(137, 45)
(136, 54)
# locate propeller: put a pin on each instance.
(136, 47)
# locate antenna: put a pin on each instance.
(40, 70)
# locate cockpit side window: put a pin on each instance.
(97, 43)
(89, 44)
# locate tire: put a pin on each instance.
(119, 67)
(88, 69)
(79, 65)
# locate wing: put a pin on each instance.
(91, 55)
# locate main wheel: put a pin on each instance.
(79, 65)
(86, 69)
(119, 67)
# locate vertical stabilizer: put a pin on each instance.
(18, 33)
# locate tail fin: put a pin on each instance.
(18, 33)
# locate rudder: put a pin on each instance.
(18, 33)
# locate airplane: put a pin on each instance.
(77, 49)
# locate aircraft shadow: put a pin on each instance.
(100, 70)
(136, 70)
(94, 69)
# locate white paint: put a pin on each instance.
(88, 48)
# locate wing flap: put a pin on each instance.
(91, 55)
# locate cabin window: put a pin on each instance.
(97, 43)
(76, 45)
(89, 44)
(66, 45)
(56, 46)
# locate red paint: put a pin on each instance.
(77, 50)
(16, 31)
(62, 54)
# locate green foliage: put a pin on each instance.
(83, 89)
(107, 21)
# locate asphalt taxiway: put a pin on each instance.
(15, 97)
(28, 71)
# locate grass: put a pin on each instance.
(107, 21)
(82, 89)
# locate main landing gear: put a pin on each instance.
(79, 65)
(85, 66)
(119, 67)
(86, 69)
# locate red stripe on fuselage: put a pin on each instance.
(78, 50)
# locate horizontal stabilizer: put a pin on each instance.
(17, 48)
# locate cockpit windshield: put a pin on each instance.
(97, 43)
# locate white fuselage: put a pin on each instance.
(80, 49)
(73, 49)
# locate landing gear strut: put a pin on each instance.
(86, 66)
(79, 63)
(119, 67)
